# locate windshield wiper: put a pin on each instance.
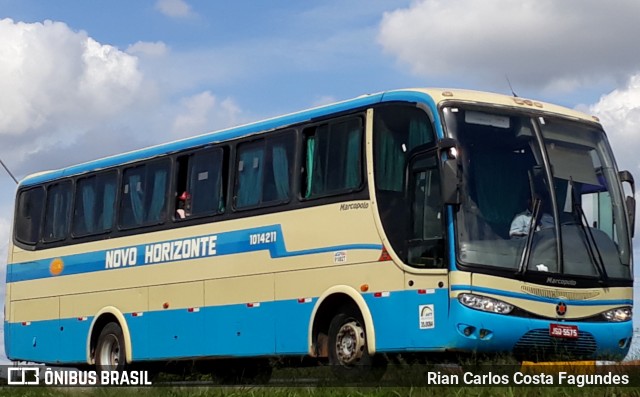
(596, 257)
(533, 224)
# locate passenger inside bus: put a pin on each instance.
(183, 206)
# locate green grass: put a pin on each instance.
(321, 392)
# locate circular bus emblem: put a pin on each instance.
(561, 309)
(56, 267)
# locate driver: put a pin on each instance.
(521, 222)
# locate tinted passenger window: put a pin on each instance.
(94, 204)
(397, 130)
(144, 194)
(264, 169)
(426, 238)
(200, 185)
(333, 158)
(29, 216)
(57, 212)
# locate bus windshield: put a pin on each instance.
(540, 194)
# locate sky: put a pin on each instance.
(82, 80)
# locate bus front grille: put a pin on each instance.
(538, 345)
(555, 293)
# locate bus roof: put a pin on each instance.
(431, 95)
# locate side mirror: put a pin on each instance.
(451, 178)
(630, 201)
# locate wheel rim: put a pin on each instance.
(110, 352)
(350, 343)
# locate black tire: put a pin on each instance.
(348, 354)
(110, 351)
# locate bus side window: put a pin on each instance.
(206, 182)
(249, 170)
(333, 158)
(264, 170)
(277, 183)
(94, 204)
(200, 184)
(58, 205)
(29, 217)
(144, 192)
(132, 197)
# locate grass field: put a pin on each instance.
(323, 392)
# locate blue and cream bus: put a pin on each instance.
(350, 233)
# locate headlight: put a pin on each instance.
(618, 315)
(484, 303)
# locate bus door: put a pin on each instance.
(426, 281)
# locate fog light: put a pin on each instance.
(468, 331)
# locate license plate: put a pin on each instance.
(563, 331)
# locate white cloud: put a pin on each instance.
(557, 45)
(619, 112)
(109, 76)
(156, 49)
(56, 85)
(67, 98)
(174, 8)
(199, 113)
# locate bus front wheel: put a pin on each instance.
(348, 354)
(110, 353)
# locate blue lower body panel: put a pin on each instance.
(51, 341)
(404, 321)
(267, 328)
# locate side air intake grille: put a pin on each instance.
(538, 345)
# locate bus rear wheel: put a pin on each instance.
(110, 350)
(348, 353)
